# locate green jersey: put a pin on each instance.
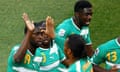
(67, 28)
(27, 65)
(49, 60)
(82, 65)
(108, 53)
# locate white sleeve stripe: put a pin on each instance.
(78, 67)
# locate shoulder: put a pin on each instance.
(75, 67)
(108, 45)
(65, 23)
(12, 52)
(15, 48)
(85, 30)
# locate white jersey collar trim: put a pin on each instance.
(74, 24)
(44, 48)
(30, 52)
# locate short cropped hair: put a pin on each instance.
(77, 45)
(37, 25)
(81, 4)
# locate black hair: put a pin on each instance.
(37, 25)
(81, 4)
(77, 45)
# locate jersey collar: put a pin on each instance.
(30, 52)
(75, 24)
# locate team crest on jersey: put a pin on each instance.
(97, 51)
(61, 32)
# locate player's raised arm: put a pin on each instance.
(28, 23)
(50, 27)
(19, 55)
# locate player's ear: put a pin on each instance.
(69, 52)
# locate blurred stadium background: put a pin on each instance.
(104, 26)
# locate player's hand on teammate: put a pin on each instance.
(27, 21)
(50, 27)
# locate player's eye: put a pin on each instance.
(88, 14)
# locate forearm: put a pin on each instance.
(23, 48)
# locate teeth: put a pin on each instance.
(46, 41)
(87, 22)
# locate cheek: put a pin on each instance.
(65, 51)
(33, 37)
(84, 18)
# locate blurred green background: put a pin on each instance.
(104, 25)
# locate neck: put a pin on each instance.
(71, 61)
(76, 21)
(32, 49)
(45, 47)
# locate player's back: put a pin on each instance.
(82, 65)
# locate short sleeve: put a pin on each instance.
(98, 57)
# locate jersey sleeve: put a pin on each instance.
(88, 39)
(11, 58)
(12, 53)
(61, 35)
(61, 54)
(98, 57)
(60, 41)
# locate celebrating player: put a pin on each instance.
(76, 54)
(78, 24)
(108, 53)
(22, 55)
(48, 56)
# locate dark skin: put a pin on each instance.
(100, 69)
(18, 57)
(70, 59)
(83, 18)
(34, 37)
(39, 37)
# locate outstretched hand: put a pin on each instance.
(50, 27)
(28, 23)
